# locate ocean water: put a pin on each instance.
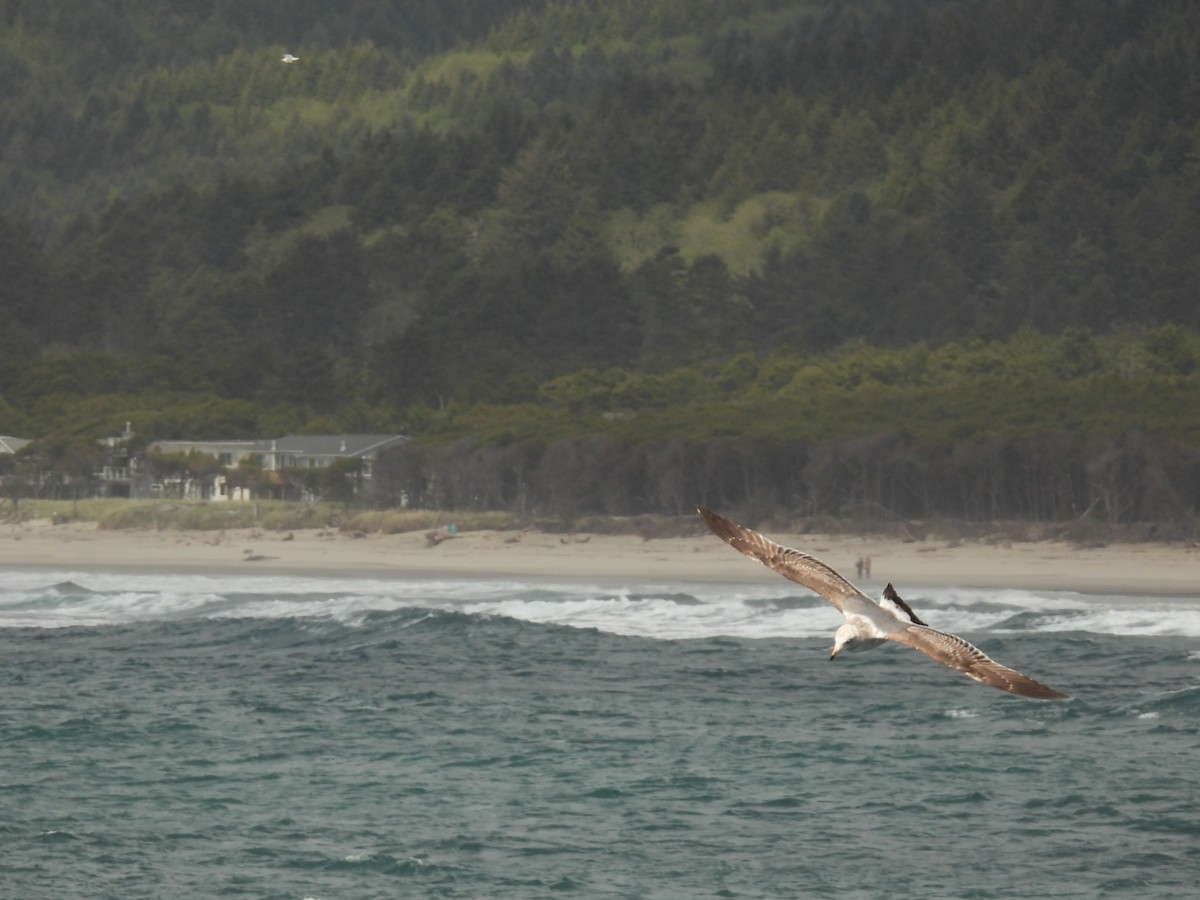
(185, 736)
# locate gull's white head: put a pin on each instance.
(845, 638)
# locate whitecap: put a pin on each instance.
(658, 610)
(961, 714)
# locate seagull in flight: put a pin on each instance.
(288, 58)
(868, 623)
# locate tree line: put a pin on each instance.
(1036, 428)
(886, 477)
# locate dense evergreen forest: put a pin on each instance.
(546, 234)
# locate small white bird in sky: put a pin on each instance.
(288, 58)
(870, 623)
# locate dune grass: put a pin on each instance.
(192, 515)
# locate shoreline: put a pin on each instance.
(1137, 569)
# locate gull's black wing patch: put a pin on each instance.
(890, 596)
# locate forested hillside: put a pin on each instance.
(443, 209)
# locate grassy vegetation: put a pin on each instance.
(122, 514)
(185, 515)
(396, 521)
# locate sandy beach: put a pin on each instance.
(1144, 568)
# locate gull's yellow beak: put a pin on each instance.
(833, 655)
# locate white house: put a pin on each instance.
(295, 451)
(319, 451)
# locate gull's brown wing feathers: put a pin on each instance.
(792, 564)
(951, 650)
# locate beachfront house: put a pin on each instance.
(194, 470)
(119, 471)
(273, 469)
(10, 481)
(11, 445)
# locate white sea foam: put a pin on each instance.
(663, 610)
(1149, 619)
(962, 714)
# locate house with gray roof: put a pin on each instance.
(11, 444)
(319, 451)
(291, 452)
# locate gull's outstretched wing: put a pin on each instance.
(951, 650)
(799, 567)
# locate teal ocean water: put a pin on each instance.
(186, 736)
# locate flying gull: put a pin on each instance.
(868, 624)
(288, 58)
